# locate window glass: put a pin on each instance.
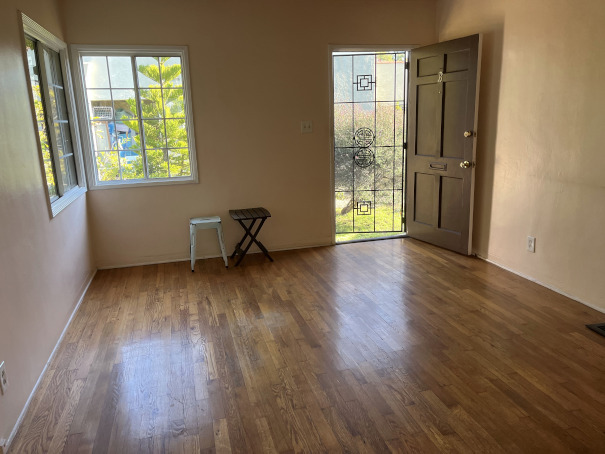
(34, 71)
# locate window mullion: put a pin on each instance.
(113, 119)
(139, 115)
(46, 82)
(166, 152)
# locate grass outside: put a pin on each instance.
(385, 220)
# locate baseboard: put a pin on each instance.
(278, 248)
(50, 358)
(483, 256)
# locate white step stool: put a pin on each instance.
(212, 222)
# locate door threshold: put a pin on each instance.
(363, 240)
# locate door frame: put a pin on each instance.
(354, 48)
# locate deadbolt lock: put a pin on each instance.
(468, 133)
(466, 164)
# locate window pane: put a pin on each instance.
(154, 134)
(343, 78)
(63, 135)
(171, 72)
(95, 72)
(127, 135)
(68, 172)
(179, 162)
(131, 162)
(174, 106)
(104, 135)
(148, 72)
(385, 123)
(107, 166)
(157, 164)
(34, 69)
(124, 103)
(99, 104)
(176, 133)
(151, 103)
(385, 77)
(400, 77)
(120, 72)
(55, 85)
(364, 78)
(60, 108)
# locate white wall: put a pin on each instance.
(257, 69)
(44, 263)
(540, 153)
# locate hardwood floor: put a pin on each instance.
(369, 347)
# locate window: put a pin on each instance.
(53, 106)
(136, 108)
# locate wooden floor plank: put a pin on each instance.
(369, 347)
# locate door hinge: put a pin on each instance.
(405, 145)
(407, 65)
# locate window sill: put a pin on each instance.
(59, 205)
(139, 183)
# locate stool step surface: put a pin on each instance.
(209, 219)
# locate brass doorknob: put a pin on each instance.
(468, 133)
(465, 164)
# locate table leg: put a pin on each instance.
(239, 245)
(248, 234)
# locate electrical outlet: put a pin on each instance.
(531, 244)
(3, 378)
(306, 127)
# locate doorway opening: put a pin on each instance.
(370, 117)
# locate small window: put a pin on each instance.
(53, 106)
(137, 115)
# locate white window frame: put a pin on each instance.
(79, 50)
(36, 31)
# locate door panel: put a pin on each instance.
(425, 184)
(451, 204)
(457, 61)
(443, 95)
(430, 65)
(454, 101)
(427, 142)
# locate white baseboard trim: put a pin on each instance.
(50, 358)
(287, 247)
(548, 286)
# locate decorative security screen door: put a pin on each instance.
(440, 162)
(370, 91)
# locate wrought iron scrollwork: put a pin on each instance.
(364, 157)
(364, 138)
(363, 208)
(365, 82)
